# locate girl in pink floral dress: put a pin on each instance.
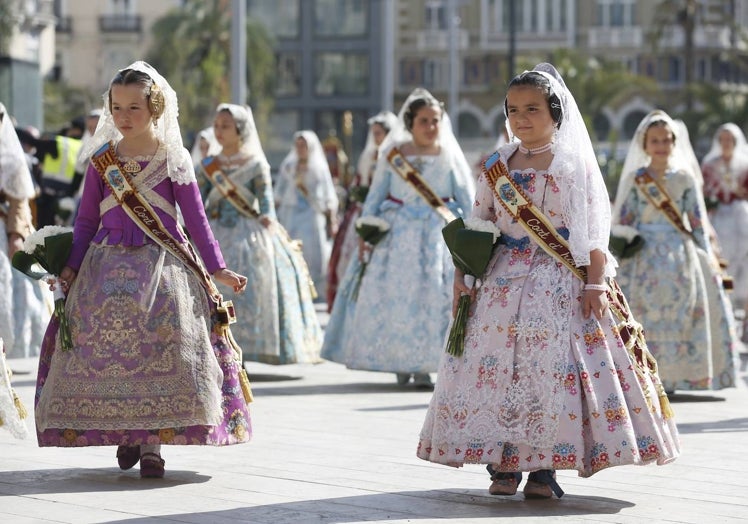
(545, 381)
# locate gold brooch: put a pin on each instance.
(131, 166)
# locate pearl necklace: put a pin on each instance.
(535, 150)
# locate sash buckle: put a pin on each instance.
(226, 312)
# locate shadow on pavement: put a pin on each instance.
(84, 480)
(715, 426)
(271, 377)
(687, 397)
(336, 389)
(456, 504)
(396, 408)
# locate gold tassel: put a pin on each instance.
(22, 413)
(226, 318)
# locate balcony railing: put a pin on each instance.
(616, 37)
(64, 24)
(120, 23)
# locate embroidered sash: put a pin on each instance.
(658, 196)
(144, 216)
(229, 189)
(411, 175)
(539, 228)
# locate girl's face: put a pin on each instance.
(130, 110)
(726, 142)
(529, 115)
(224, 127)
(378, 133)
(302, 149)
(426, 124)
(659, 143)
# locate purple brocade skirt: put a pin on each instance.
(147, 366)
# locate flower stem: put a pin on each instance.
(456, 339)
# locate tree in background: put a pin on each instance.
(192, 48)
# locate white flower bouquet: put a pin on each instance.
(49, 248)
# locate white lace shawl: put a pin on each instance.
(682, 159)
(586, 208)
(15, 178)
(739, 160)
(179, 161)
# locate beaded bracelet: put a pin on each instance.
(596, 287)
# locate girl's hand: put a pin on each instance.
(363, 248)
(66, 279)
(594, 301)
(459, 289)
(266, 221)
(233, 280)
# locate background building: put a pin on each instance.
(27, 49)
(331, 60)
(96, 38)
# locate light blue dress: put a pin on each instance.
(674, 293)
(303, 216)
(399, 321)
(277, 323)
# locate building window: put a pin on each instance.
(341, 17)
(469, 126)
(473, 72)
(616, 13)
(532, 16)
(280, 17)
(121, 7)
(436, 15)
(341, 74)
(288, 78)
(411, 72)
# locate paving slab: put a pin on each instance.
(336, 446)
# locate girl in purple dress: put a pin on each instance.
(149, 364)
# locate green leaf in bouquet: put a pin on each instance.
(358, 193)
(621, 247)
(474, 249)
(471, 250)
(23, 262)
(58, 249)
(371, 233)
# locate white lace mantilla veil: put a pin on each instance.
(179, 161)
(245, 123)
(739, 161)
(213, 146)
(388, 120)
(317, 162)
(577, 173)
(450, 150)
(15, 178)
(682, 159)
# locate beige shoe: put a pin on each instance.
(541, 484)
(504, 484)
(537, 490)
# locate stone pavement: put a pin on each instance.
(337, 446)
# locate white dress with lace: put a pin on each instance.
(539, 386)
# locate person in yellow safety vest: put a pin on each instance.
(58, 157)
